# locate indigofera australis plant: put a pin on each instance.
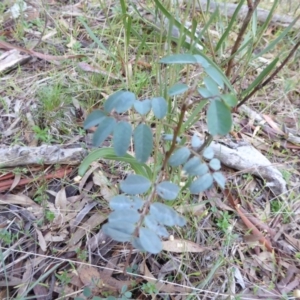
(142, 213)
(139, 215)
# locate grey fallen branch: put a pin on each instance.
(17, 156)
(248, 159)
(228, 10)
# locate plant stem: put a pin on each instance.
(251, 9)
(268, 80)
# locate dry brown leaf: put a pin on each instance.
(61, 201)
(41, 240)
(83, 212)
(161, 286)
(16, 181)
(18, 200)
(294, 242)
(4, 292)
(90, 276)
(59, 237)
(273, 125)
(94, 221)
(41, 292)
(107, 191)
(111, 283)
(182, 246)
(195, 209)
(266, 261)
(94, 166)
(26, 278)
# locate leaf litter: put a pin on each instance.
(51, 242)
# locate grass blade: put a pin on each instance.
(95, 38)
(230, 25)
(173, 21)
(277, 40)
(259, 79)
(266, 23)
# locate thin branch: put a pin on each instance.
(268, 80)
(251, 9)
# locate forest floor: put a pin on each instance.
(51, 243)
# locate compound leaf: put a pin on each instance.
(211, 86)
(166, 215)
(205, 93)
(105, 128)
(142, 107)
(218, 118)
(152, 224)
(196, 141)
(121, 202)
(135, 184)
(192, 163)
(93, 119)
(194, 166)
(220, 179)
(143, 142)
(169, 137)
(121, 139)
(208, 153)
(177, 89)
(125, 215)
(136, 244)
(120, 101)
(201, 184)
(159, 107)
(150, 241)
(202, 61)
(229, 99)
(119, 231)
(215, 75)
(179, 157)
(167, 190)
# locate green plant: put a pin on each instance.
(6, 237)
(149, 288)
(138, 215)
(224, 221)
(49, 215)
(87, 293)
(279, 207)
(42, 134)
(81, 254)
(64, 277)
(51, 97)
(142, 220)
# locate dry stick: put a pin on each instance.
(251, 9)
(278, 69)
